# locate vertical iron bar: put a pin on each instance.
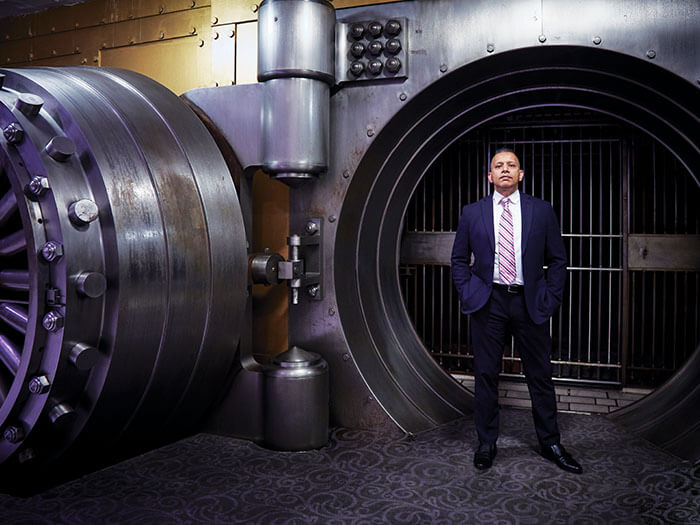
(626, 164)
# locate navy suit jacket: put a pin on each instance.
(542, 244)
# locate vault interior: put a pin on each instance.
(619, 325)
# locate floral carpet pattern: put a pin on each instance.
(366, 477)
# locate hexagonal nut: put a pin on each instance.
(13, 433)
(39, 384)
(37, 187)
(53, 321)
(13, 133)
(51, 251)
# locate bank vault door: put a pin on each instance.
(630, 311)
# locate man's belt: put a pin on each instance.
(516, 289)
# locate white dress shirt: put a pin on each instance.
(514, 207)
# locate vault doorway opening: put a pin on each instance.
(630, 312)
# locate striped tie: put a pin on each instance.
(506, 251)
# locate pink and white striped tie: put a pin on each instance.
(506, 250)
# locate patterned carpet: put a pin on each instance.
(365, 477)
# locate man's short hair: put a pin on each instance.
(506, 149)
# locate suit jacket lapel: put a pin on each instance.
(487, 217)
(526, 216)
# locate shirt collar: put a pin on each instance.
(514, 197)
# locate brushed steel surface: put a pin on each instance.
(169, 241)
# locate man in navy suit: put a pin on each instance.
(502, 243)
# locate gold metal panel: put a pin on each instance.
(92, 39)
(69, 60)
(53, 45)
(340, 4)
(15, 51)
(179, 64)
(247, 53)
(173, 25)
(56, 20)
(126, 33)
(663, 252)
(146, 8)
(230, 11)
(15, 27)
(223, 54)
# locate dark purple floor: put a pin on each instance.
(365, 477)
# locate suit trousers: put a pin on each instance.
(505, 313)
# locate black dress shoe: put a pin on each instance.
(483, 457)
(561, 458)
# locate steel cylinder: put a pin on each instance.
(125, 263)
(296, 39)
(296, 50)
(296, 401)
(295, 122)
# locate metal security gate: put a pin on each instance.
(619, 323)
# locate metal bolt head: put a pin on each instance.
(331, 311)
(393, 27)
(375, 28)
(13, 132)
(357, 31)
(357, 68)
(443, 68)
(37, 187)
(53, 321)
(311, 227)
(403, 96)
(393, 65)
(597, 40)
(39, 385)
(346, 174)
(490, 48)
(83, 212)
(357, 49)
(254, 8)
(13, 434)
(393, 46)
(370, 132)
(651, 54)
(346, 357)
(332, 218)
(375, 48)
(375, 66)
(51, 251)
(313, 290)
(542, 39)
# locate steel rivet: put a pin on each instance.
(331, 218)
(39, 385)
(83, 212)
(403, 96)
(651, 54)
(214, 20)
(346, 174)
(370, 132)
(161, 8)
(313, 290)
(231, 33)
(201, 43)
(161, 36)
(331, 311)
(443, 68)
(490, 48)
(254, 8)
(53, 321)
(542, 39)
(346, 357)
(51, 251)
(597, 40)
(215, 36)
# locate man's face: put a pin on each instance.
(505, 173)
